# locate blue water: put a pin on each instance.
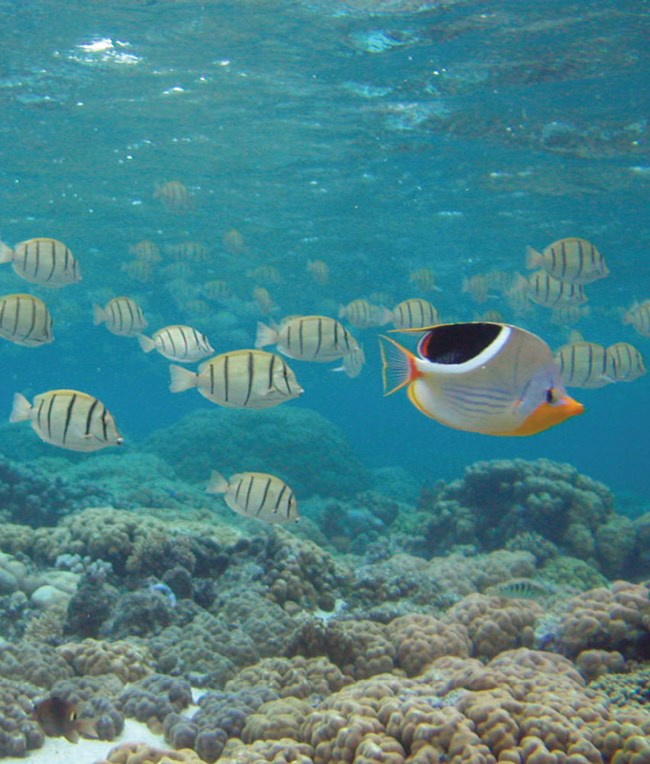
(379, 137)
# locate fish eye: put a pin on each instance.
(551, 395)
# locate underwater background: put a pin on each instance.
(200, 158)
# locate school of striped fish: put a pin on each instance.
(484, 376)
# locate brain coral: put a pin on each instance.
(420, 639)
(359, 648)
(498, 500)
(522, 707)
(495, 624)
(205, 651)
(609, 619)
(19, 733)
(296, 677)
(321, 462)
(35, 662)
(122, 659)
(300, 572)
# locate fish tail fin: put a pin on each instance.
(181, 379)
(342, 311)
(466, 285)
(146, 343)
(6, 253)
(99, 315)
(21, 409)
(398, 365)
(217, 483)
(266, 335)
(534, 259)
(385, 316)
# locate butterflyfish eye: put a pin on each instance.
(551, 395)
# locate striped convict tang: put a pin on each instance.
(548, 291)
(43, 261)
(490, 378)
(364, 315)
(584, 364)
(625, 362)
(308, 338)
(25, 320)
(68, 419)
(414, 313)
(573, 259)
(639, 316)
(238, 379)
(256, 494)
(178, 343)
(122, 316)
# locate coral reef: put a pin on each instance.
(607, 619)
(19, 733)
(498, 500)
(155, 697)
(506, 649)
(31, 495)
(91, 657)
(494, 624)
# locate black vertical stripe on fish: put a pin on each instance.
(68, 417)
(320, 338)
(116, 310)
(564, 259)
(129, 307)
(32, 325)
(54, 258)
(284, 488)
(16, 316)
(89, 418)
(240, 483)
(248, 492)
(581, 254)
(301, 324)
(37, 258)
(49, 415)
(104, 421)
(251, 372)
(171, 342)
(197, 339)
(289, 339)
(271, 368)
(185, 343)
(225, 378)
(39, 414)
(265, 493)
(66, 260)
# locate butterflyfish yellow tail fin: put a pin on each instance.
(398, 365)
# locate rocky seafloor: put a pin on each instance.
(500, 617)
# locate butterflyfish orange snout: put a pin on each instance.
(485, 377)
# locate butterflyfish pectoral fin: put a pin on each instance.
(398, 365)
